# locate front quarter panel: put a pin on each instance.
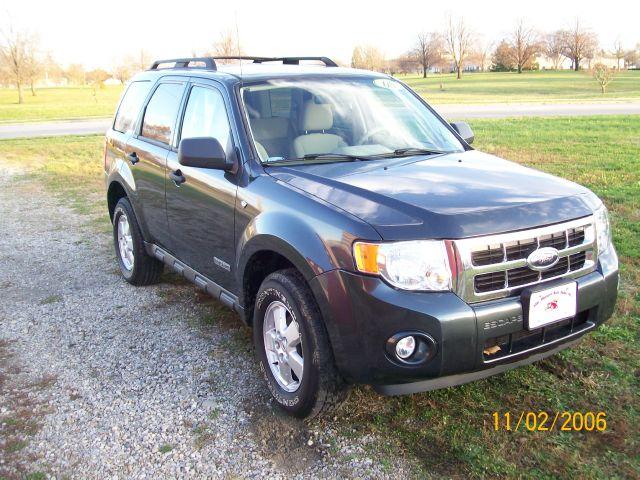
(314, 235)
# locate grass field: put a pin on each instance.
(449, 433)
(58, 103)
(541, 86)
(81, 102)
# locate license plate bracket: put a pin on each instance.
(547, 304)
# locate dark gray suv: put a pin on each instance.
(357, 232)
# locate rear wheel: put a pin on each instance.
(136, 266)
(293, 347)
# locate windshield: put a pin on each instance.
(341, 118)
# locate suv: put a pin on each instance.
(355, 230)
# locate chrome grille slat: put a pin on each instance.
(485, 261)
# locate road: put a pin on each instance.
(497, 110)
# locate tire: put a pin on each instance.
(321, 388)
(136, 266)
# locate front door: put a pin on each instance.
(200, 208)
(147, 153)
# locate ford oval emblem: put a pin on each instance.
(543, 258)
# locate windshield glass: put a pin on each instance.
(347, 117)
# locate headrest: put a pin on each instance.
(317, 116)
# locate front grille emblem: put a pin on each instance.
(543, 259)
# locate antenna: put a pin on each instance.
(238, 42)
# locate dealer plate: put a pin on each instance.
(551, 304)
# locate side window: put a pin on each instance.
(160, 116)
(130, 106)
(206, 116)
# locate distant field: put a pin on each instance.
(499, 87)
(58, 103)
(81, 102)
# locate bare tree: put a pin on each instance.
(603, 75)
(525, 45)
(618, 51)
(578, 43)
(33, 65)
(554, 48)
(428, 51)
(124, 70)
(368, 57)
(17, 54)
(457, 39)
(482, 53)
(227, 46)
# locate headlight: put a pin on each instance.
(603, 229)
(415, 265)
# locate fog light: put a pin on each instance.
(405, 347)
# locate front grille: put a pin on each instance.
(496, 266)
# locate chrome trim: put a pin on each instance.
(465, 288)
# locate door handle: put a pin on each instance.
(177, 177)
(133, 158)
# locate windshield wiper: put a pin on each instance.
(401, 152)
(309, 157)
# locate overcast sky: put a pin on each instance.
(101, 33)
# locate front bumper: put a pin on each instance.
(361, 313)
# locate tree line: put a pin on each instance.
(458, 47)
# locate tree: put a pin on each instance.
(632, 57)
(368, 57)
(124, 70)
(554, 48)
(428, 51)
(75, 74)
(97, 76)
(525, 45)
(482, 52)
(618, 51)
(227, 46)
(502, 60)
(33, 66)
(578, 43)
(603, 75)
(458, 39)
(17, 55)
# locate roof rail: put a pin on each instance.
(296, 60)
(210, 62)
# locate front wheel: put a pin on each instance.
(136, 266)
(293, 347)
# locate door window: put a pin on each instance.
(130, 106)
(162, 110)
(206, 116)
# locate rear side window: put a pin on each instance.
(130, 106)
(160, 115)
(206, 116)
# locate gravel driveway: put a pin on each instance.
(99, 379)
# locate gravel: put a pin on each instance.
(99, 379)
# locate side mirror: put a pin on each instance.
(464, 130)
(203, 152)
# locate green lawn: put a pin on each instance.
(58, 103)
(540, 86)
(450, 432)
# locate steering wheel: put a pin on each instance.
(367, 136)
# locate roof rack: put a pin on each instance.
(210, 62)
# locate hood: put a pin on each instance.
(446, 196)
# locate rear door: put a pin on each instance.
(201, 208)
(147, 153)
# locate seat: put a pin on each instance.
(272, 133)
(316, 118)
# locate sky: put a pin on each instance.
(100, 34)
